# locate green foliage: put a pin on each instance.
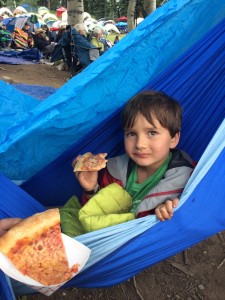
(122, 8)
(106, 9)
(110, 9)
(3, 3)
(11, 3)
(96, 8)
(113, 9)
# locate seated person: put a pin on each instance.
(59, 35)
(42, 43)
(81, 29)
(5, 37)
(22, 38)
(96, 39)
(50, 34)
(117, 39)
(152, 170)
(83, 47)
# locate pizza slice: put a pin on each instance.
(91, 162)
(36, 248)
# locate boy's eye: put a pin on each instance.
(152, 133)
(130, 133)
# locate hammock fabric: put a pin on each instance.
(104, 86)
(36, 91)
(196, 80)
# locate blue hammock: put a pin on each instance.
(36, 91)
(196, 79)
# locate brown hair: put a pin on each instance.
(153, 104)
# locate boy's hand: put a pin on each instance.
(88, 180)
(165, 211)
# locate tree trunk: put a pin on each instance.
(75, 9)
(149, 6)
(130, 15)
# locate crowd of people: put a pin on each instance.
(45, 40)
(23, 38)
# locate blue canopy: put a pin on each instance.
(196, 80)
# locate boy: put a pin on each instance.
(152, 171)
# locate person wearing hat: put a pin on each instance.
(42, 43)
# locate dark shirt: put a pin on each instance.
(40, 42)
(51, 36)
(82, 47)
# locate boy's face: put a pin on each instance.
(147, 145)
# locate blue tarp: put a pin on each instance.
(19, 22)
(29, 56)
(90, 97)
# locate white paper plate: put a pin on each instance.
(76, 252)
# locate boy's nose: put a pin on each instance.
(140, 143)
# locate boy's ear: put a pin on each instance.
(175, 140)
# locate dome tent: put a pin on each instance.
(60, 11)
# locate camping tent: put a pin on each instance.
(121, 24)
(111, 27)
(60, 11)
(19, 22)
(49, 17)
(43, 10)
(122, 19)
(5, 12)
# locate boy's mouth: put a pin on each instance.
(141, 155)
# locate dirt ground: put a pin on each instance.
(34, 74)
(199, 274)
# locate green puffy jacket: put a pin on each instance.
(110, 206)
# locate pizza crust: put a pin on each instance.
(30, 226)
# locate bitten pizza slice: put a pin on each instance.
(91, 162)
(36, 248)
